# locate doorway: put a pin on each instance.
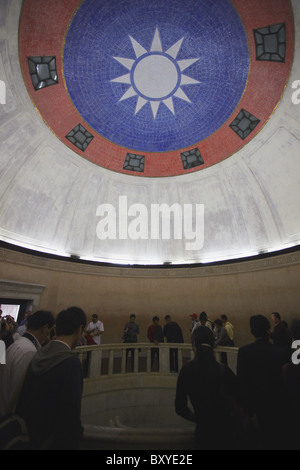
(16, 308)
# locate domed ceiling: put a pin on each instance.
(120, 111)
(155, 88)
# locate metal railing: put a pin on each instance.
(165, 358)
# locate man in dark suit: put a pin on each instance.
(259, 371)
(173, 333)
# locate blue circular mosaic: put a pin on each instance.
(156, 75)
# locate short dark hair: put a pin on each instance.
(218, 322)
(259, 326)
(39, 319)
(277, 315)
(203, 335)
(132, 315)
(203, 316)
(155, 318)
(167, 316)
(68, 321)
(224, 317)
(94, 315)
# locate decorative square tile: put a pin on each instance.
(134, 162)
(270, 43)
(191, 158)
(244, 123)
(42, 71)
(80, 137)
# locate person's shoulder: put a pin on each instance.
(74, 359)
(259, 345)
(245, 348)
(20, 344)
(70, 363)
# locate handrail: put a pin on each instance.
(116, 358)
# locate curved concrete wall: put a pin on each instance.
(239, 290)
(138, 400)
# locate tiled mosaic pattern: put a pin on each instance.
(44, 27)
(270, 43)
(191, 159)
(42, 71)
(80, 137)
(134, 162)
(94, 40)
(244, 124)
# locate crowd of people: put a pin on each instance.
(41, 381)
(171, 332)
(256, 407)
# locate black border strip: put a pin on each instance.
(169, 266)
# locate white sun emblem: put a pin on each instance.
(155, 76)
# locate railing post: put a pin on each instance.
(148, 364)
(180, 360)
(91, 357)
(192, 354)
(232, 361)
(111, 362)
(95, 363)
(80, 357)
(136, 359)
(217, 355)
(123, 361)
(164, 358)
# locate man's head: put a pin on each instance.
(11, 323)
(132, 317)
(218, 323)
(260, 326)
(202, 336)
(168, 319)
(70, 324)
(203, 318)
(224, 318)
(40, 324)
(155, 320)
(275, 317)
(94, 318)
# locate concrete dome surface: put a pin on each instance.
(120, 117)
